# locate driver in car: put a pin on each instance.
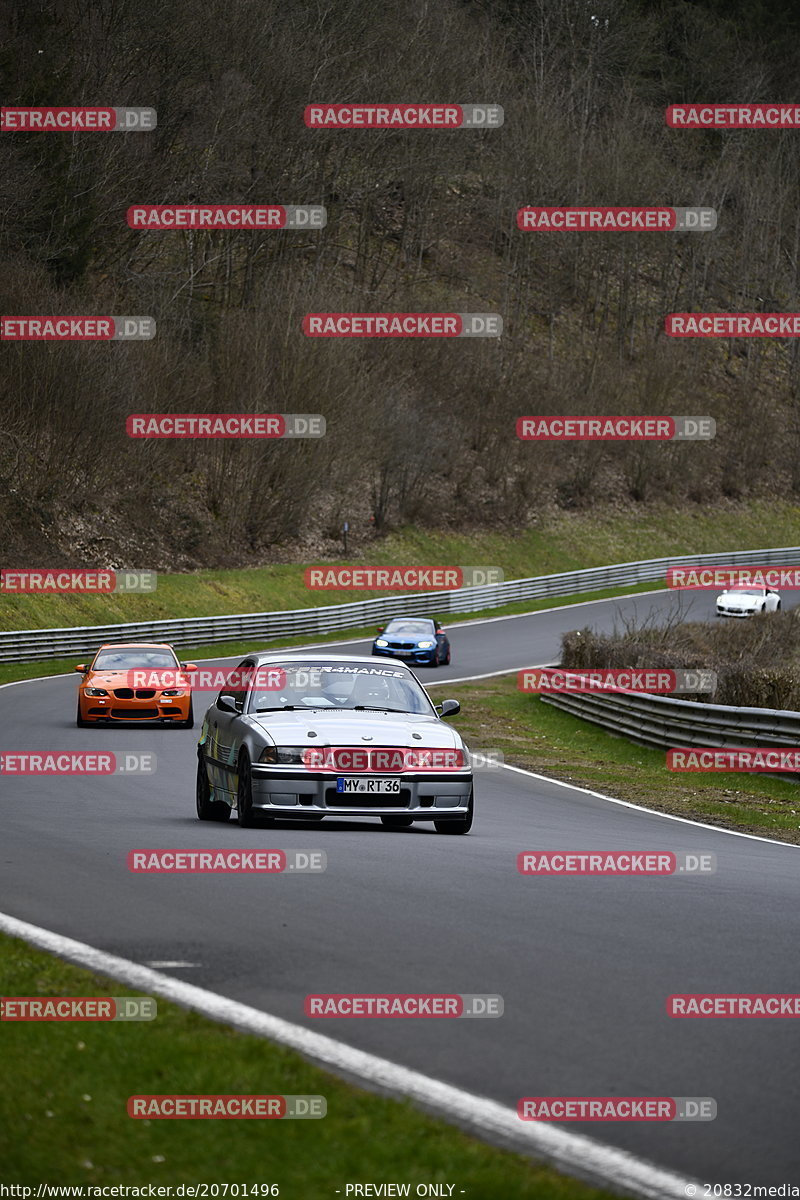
(371, 691)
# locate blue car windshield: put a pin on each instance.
(344, 685)
(409, 626)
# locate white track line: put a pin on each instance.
(653, 812)
(570, 1152)
(601, 795)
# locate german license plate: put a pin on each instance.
(358, 784)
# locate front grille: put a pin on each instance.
(334, 799)
(125, 714)
(140, 693)
(402, 645)
(123, 693)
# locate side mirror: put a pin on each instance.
(226, 703)
(188, 666)
(448, 708)
(82, 668)
(381, 628)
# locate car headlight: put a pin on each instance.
(382, 642)
(173, 692)
(426, 645)
(275, 755)
(96, 692)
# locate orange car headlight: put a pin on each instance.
(96, 692)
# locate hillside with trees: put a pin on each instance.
(418, 430)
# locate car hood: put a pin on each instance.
(108, 679)
(348, 728)
(740, 600)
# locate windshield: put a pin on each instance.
(127, 660)
(402, 625)
(748, 591)
(336, 686)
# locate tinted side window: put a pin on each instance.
(239, 685)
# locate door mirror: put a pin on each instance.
(448, 708)
(226, 703)
(82, 668)
(381, 628)
(189, 666)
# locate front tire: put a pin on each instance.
(189, 722)
(208, 809)
(79, 721)
(455, 825)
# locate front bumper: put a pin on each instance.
(734, 612)
(420, 657)
(114, 709)
(424, 796)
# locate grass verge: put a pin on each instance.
(63, 1108)
(541, 738)
(561, 542)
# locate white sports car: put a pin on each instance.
(746, 601)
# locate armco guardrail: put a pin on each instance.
(37, 644)
(665, 721)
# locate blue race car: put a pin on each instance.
(420, 640)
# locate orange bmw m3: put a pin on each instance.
(135, 681)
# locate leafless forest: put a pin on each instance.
(418, 431)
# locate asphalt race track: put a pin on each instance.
(584, 964)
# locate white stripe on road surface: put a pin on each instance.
(570, 1152)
